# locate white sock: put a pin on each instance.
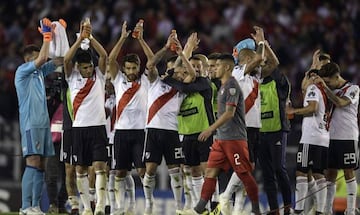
(331, 189)
(312, 188)
(82, 182)
(148, 186)
(100, 186)
(188, 188)
(301, 191)
(176, 183)
(197, 186)
(321, 194)
(240, 197)
(130, 191)
(92, 194)
(111, 190)
(74, 202)
(120, 193)
(215, 196)
(351, 189)
(233, 185)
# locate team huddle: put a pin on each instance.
(202, 114)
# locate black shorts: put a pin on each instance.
(161, 142)
(195, 151)
(66, 150)
(253, 135)
(343, 154)
(129, 146)
(89, 144)
(311, 157)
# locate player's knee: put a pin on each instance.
(349, 174)
(151, 168)
(121, 173)
(212, 172)
(196, 171)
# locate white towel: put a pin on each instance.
(85, 43)
(60, 43)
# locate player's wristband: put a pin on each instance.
(47, 36)
(261, 42)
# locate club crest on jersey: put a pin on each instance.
(311, 94)
(232, 91)
(352, 94)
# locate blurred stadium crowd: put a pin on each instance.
(294, 29)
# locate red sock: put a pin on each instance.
(250, 185)
(208, 188)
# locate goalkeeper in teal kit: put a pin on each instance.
(34, 119)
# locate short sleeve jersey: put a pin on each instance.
(344, 124)
(314, 130)
(165, 117)
(91, 111)
(133, 115)
(30, 89)
(234, 129)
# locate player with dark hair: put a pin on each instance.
(131, 99)
(87, 92)
(344, 133)
(230, 147)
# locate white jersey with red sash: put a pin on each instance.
(344, 124)
(314, 127)
(163, 106)
(88, 99)
(131, 100)
(249, 85)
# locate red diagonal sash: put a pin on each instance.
(251, 98)
(159, 102)
(126, 97)
(80, 96)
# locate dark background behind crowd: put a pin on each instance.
(293, 28)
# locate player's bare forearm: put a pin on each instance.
(147, 50)
(101, 52)
(308, 110)
(338, 101)
(157, 57)
(70, 55)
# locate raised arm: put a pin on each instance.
(151, 64)
(147, 50)
(113, 64)
(101, 52)
(272, 62)
(68, 65)
(315, 65)
(191, 44)
(190, 76)
(45, 25)
(264, 49)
